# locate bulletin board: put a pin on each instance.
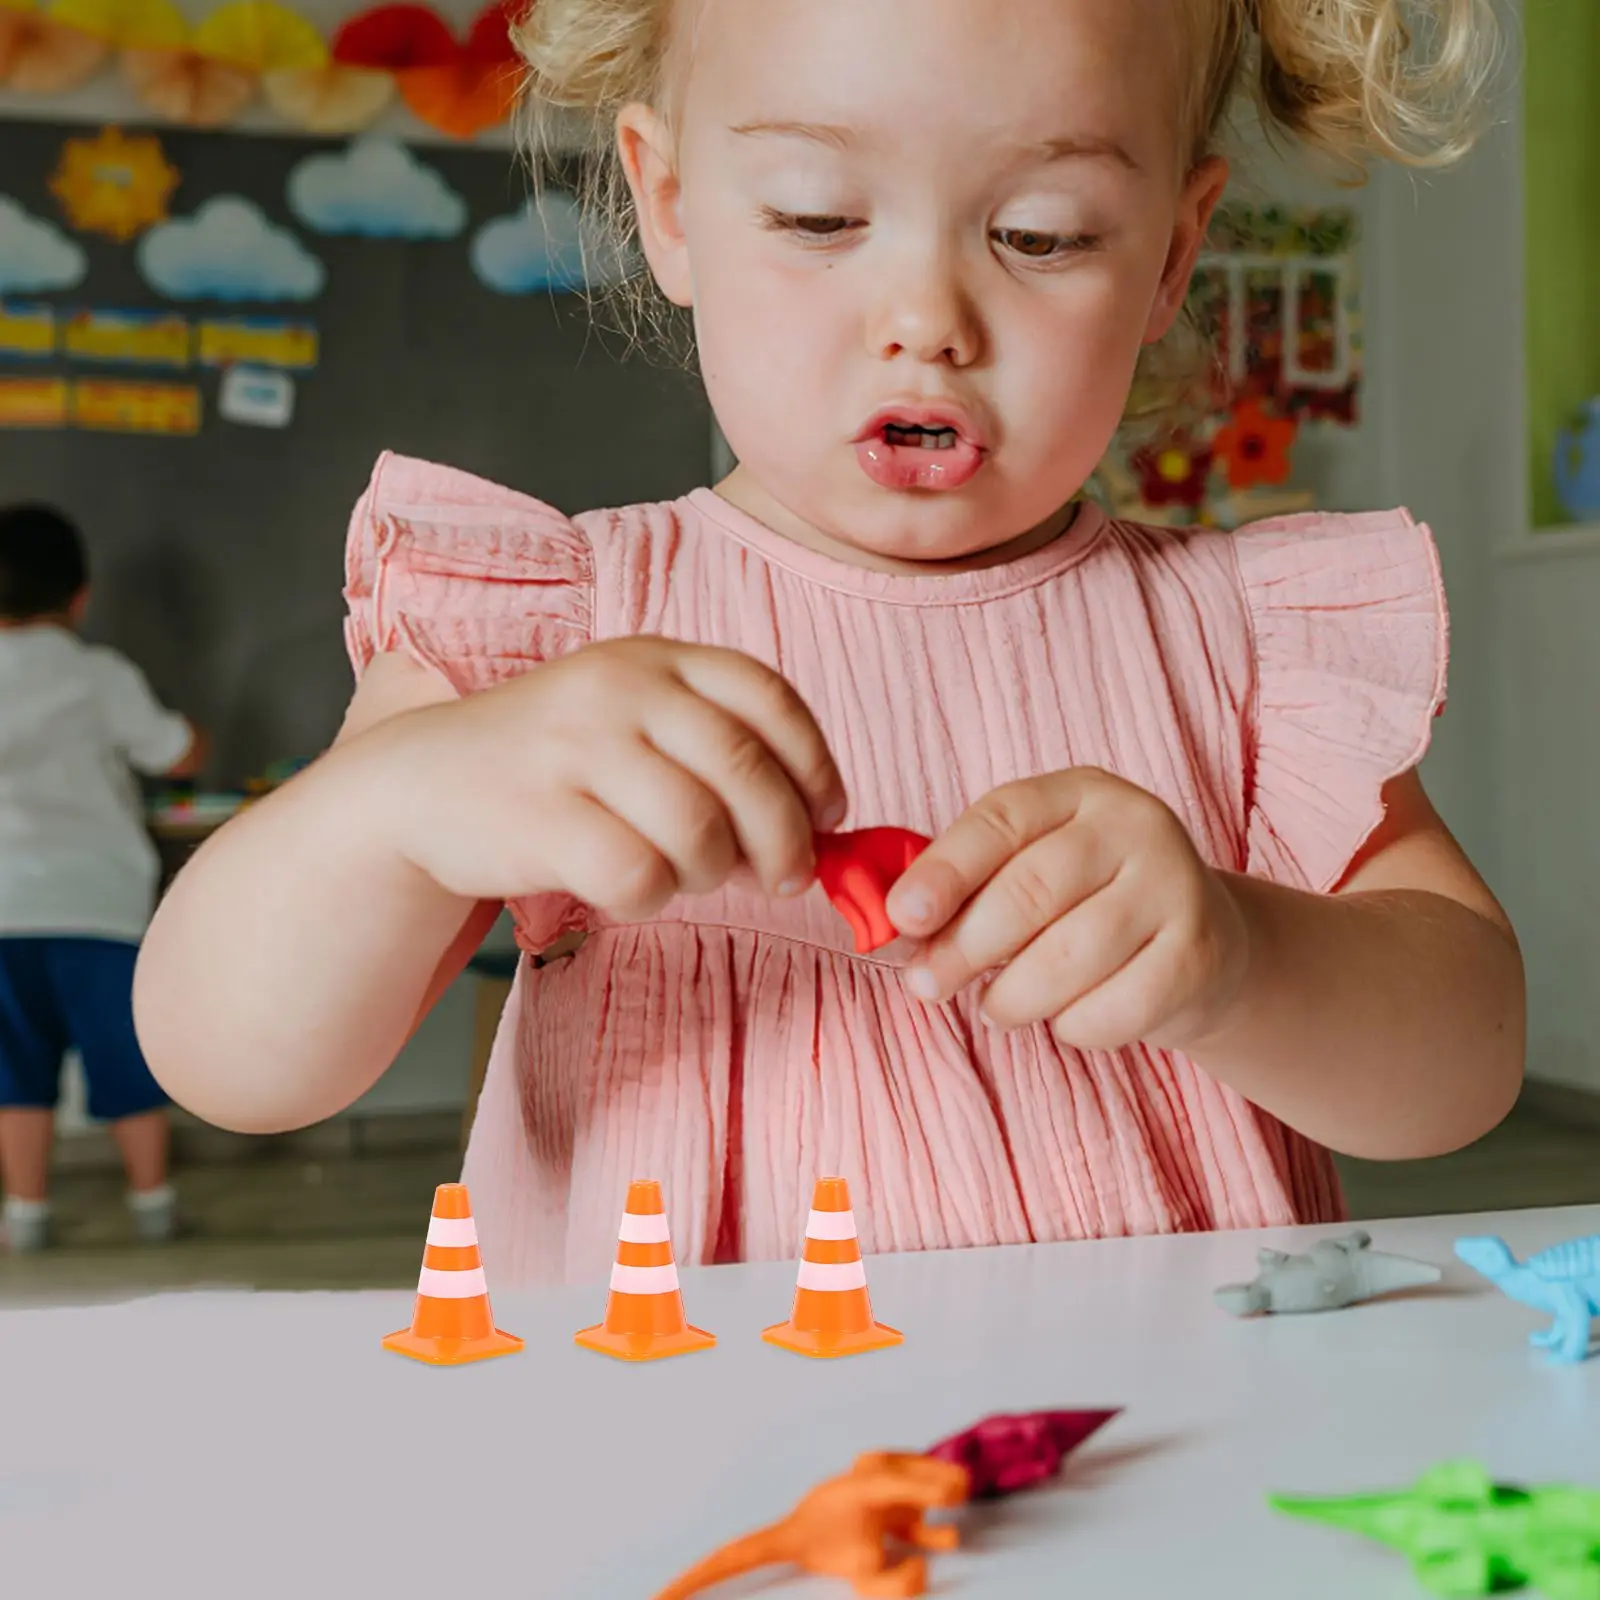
(207, 338)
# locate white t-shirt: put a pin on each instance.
(76, 722)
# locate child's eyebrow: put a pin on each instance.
(1067, 148)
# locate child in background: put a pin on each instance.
(1189, 921)
(77, 875)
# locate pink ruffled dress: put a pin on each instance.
(1264, 684)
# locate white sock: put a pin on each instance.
(26, 1210)
(157, 1199)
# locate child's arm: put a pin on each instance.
(296, 952)
(1387, 1020)
(1384, 1021)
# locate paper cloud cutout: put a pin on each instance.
(228, 251)
(546, 246)
(375, 188)
(35, 255)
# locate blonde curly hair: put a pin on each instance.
(1350, 80)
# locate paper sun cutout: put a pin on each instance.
(114, 184)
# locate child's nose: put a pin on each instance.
(927, 312)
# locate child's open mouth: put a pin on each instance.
(906, 453)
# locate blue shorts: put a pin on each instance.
(58, 994)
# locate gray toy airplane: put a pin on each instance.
(1333, 1274)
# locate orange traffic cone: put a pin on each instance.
(644, 1312)
(832, 1315)
(452, 1323)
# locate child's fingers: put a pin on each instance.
(1070, 959)
(604, 861)
(1126, 1006)
(672, 810)
(975, 847)
(767, 813)
(773, 709)
(1029, 892)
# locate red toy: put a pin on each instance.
(858, 870)
(1007, 1454)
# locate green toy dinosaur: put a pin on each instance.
(1467, 1536)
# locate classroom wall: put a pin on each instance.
(1562, 168)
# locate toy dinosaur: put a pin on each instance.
(858, 870)
(1467, 1536)
(851, 1527)
(1333, 1274)
(1007, 1454)
(1563, 1280)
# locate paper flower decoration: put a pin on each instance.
(114, 184)
(184, 86)
(457, 88)
(1253, 447)
(332, 99)
(125, 24)
(1175, 474)
(259, 36)
(41, 55)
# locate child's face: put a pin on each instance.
(977, 207)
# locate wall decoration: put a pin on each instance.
(378, 189)
(185, 86)
(205, 76)
(36, 256)
(548, 246)
(115, 184)
(127, 338)
(1275, 293)
(256, 397)
(330, 100)
(41, 55)
(33, 402)
(228, 250)
(112, 406)
(27, 330)
(257, 341)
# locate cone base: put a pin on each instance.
(452, 1352)
(788, 1337)
(644, 1346)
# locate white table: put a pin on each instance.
(231, 1446)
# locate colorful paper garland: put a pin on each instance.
(205, 76)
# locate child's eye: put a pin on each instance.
(808, 225)
(1036, 246)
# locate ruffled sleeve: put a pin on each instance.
(476, 582)
(1351, 641)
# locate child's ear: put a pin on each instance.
(645, 147)
(1196, 205)
(79, 607)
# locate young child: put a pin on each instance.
(77, 875)
(1189, 922)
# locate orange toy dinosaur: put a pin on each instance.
(848, 1528)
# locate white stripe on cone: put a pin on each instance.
(454, 1233)
(644, 1280)
(833, 1277)
(831, 1225)
(644, 1230)
(437, 1285)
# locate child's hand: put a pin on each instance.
(624, 774)
(1089, 896)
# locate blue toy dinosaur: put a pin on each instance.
(1563, 1280)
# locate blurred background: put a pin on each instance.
(236, 267)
